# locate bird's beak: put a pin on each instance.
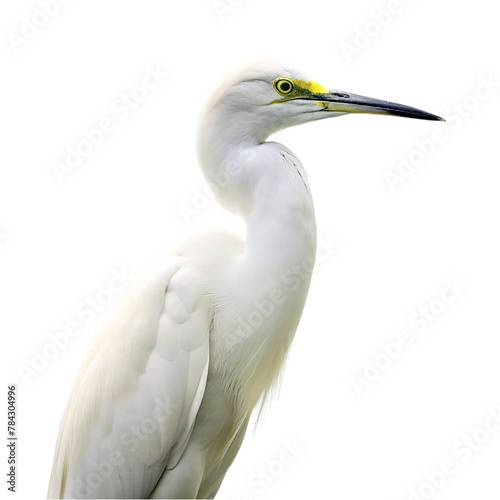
(345, 102)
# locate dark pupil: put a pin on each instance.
(285, 86)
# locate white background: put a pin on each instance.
(120, 209)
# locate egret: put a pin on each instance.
(163, 399)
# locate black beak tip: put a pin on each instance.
(422, 115)
(430, 116)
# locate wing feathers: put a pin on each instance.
(135, 400)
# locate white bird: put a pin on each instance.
(163, 399)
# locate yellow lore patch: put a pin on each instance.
(313, 87)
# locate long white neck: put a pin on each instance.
(267, 185)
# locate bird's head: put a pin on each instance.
(263, 99)
(253, 104)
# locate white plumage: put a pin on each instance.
(163, 399)
(138, 392)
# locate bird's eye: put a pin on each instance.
(284, 86)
